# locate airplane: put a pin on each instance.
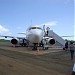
(68, 36)
(35, 35)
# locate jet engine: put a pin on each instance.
(48, 40)
(14, 41)
(22, 42)
(51, 41)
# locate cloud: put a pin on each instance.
(53, 23)
(4, 30)
(67, 1)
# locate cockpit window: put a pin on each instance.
(35, 28)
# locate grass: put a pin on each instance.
(3, 40)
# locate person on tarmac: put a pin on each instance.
(72, 49)
(66, 46)
(73, 72)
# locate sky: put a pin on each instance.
(17, 15)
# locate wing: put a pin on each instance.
(25, 33)
(6, 36)
(68, 36)
(13, 37)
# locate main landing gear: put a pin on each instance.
(35, 46)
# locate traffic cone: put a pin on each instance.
(28, 46)
(37, 51)
(73, 72)
(14, 45)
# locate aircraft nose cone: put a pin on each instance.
(36, 39)
(35, 36)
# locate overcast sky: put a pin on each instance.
(17, 15)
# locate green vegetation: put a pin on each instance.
(3, 40)
(70, 40)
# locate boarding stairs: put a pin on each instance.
(59, 40)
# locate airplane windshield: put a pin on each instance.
(35, 28)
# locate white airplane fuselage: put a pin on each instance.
(35, 34)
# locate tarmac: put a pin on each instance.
(24, 61)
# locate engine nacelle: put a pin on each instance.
(48, 40)
(22, 42)
(14, 41)
(51, 41)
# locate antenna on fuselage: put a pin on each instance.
(44, 27)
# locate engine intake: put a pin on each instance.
(14, 41)
(52, 41)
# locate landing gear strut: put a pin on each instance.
(35, 47)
